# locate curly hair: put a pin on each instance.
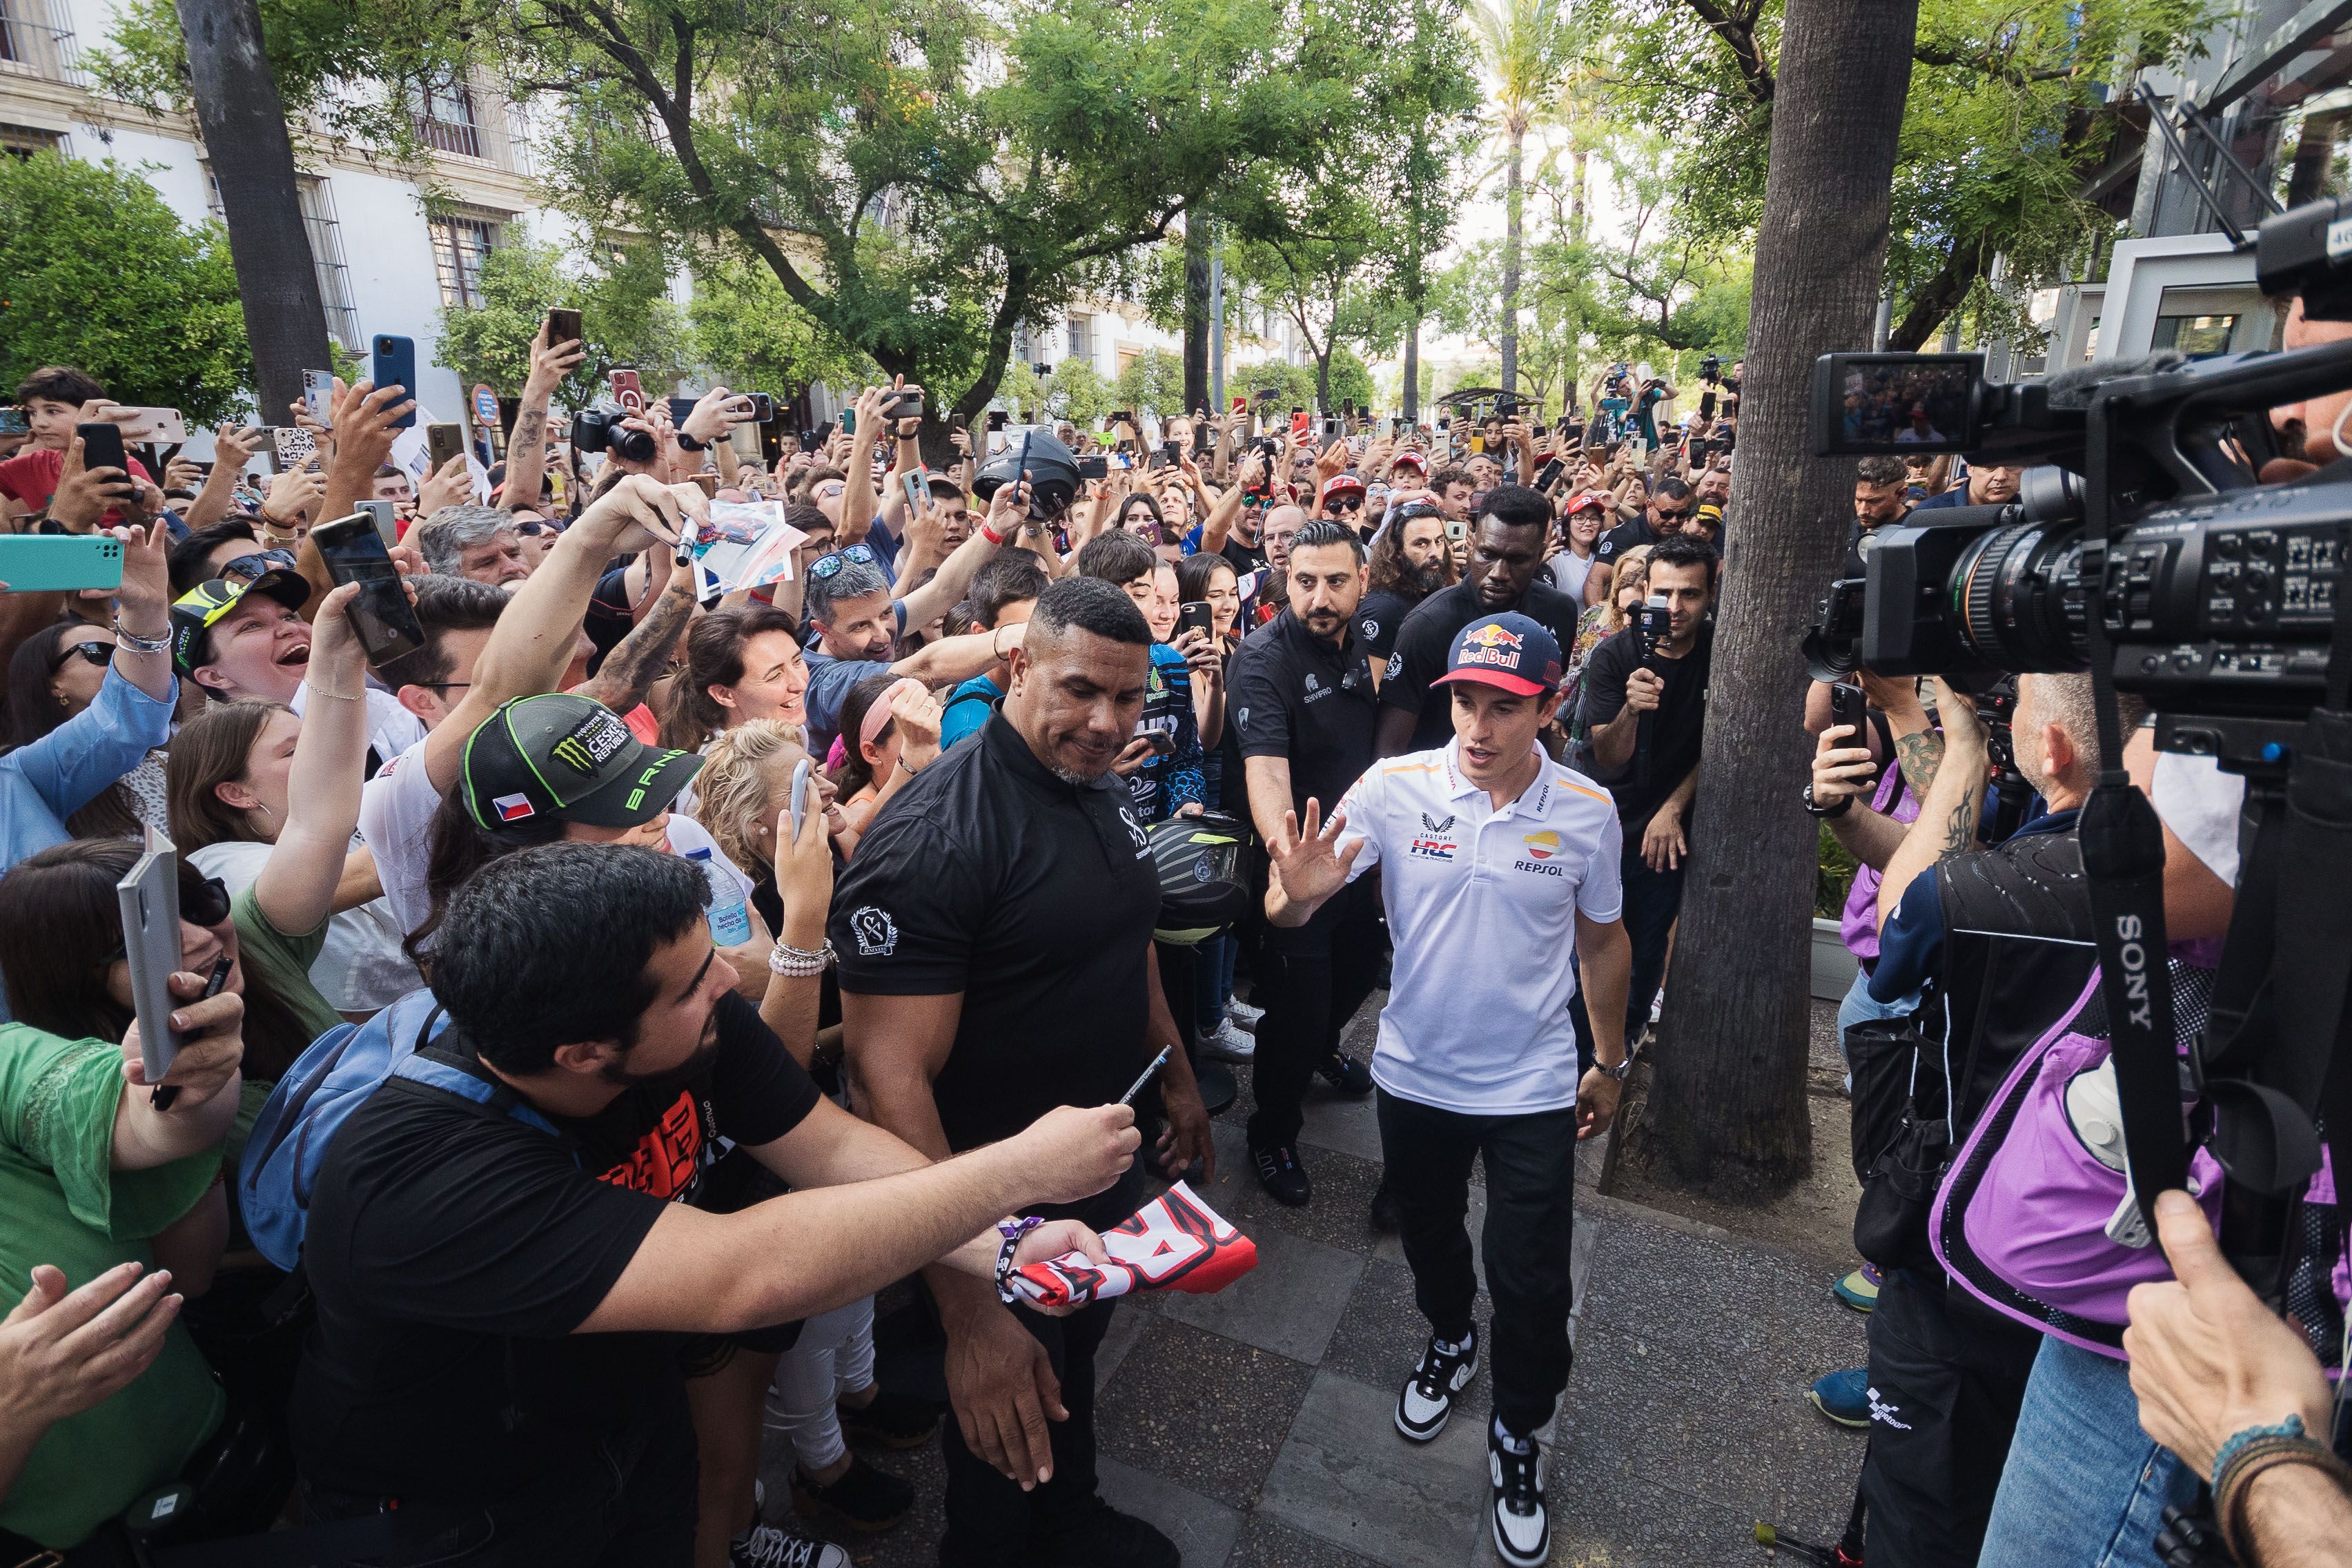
(731, 790)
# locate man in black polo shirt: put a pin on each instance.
(1643, 714)
(1303, 700)
(1506, 572)
(1668, 513)
(994, 934)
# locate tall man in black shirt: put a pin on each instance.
(506, 1239)
(994, 935)
(1507, 555)
(1644, 711)
(1302, 700)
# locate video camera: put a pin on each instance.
(597, 429)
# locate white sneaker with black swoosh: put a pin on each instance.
(1427, 1402)
(1522, 1525)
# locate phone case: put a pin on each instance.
(59, 562)
(394, 364)
(293, 444)
(150, 899)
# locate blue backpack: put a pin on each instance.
(318, 1094)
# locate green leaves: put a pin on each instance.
(100, 273)
(624, 311)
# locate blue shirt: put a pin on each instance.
(1911, 944)
(830, 680)
(45, 782)
(969, 707)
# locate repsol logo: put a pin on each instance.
(2134, 957)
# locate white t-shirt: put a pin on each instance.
(2201, 804)
(1482, 906)
(1569, 570)
(362, 968)
(392, 729)
(396, 819)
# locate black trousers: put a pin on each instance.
(1310, 981)
(1652, 900)
(992, 1522)
(1947, 1379)
(1530, 1210)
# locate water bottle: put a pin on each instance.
(731, 921)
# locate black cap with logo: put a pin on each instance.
(569, 757)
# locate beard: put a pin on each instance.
(670, 1080)
(1420, 582)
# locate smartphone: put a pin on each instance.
(563, 327)
(101, 444)
(1095, 467)
(628, 391)
(1477, 443)
(1195, 614)
(801, 771)
(1298, 426)
(387, 518)
(907, 403)
(293, 446)
(319, 393)
(1849, 705)
(393, 363)
(1507, 406)
(149, 901)
(811, 440)
(1548, 473)
(161, 426)
(1331, 429)
(680, 407)
(763, 407)
(849, 421)
(443, 442)
(996, 419)
(15, 422)
(56, 562)
(1172, 452)
(382, 614)
(1162, 743)
(1706, 404)
(1456, 530)
(918, 489)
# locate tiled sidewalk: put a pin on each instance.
(1254, 1426)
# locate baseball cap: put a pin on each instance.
(205, 606)
(1710, 515)
(556, 754)
(1414, 460)
(1584, 501)
(1511, 650)
(1339, 482)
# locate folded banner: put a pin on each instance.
(1175, 1242)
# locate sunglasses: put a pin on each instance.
(1346, 503)
(97, 653)
(203, 901)
(249, 567)
(827, 565)
(1666, 513)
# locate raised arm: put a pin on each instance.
(857, 496)
(296, 885)
(1948, 817)
(527, 447)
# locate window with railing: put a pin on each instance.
(443, 112)
(326, 237)
(24, 141)
(35, 40)
(463, 239)
(1082, 336)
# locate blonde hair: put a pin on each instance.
(732, 787)
(1635, 559)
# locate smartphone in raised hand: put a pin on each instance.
(382, 615)
(1849, 705)
(393, 363)
(319, 395)
(149, 901)
(442, 443)
(563, 326)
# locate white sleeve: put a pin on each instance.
(397, 810)
(2201, 804)
(1362, 806)
(1600, 895)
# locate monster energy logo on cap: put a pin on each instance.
(568, 757)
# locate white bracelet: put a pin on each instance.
(800, 963)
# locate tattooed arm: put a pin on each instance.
(642, 657)
(1947, 812)
(527, 447)
(1918, 748)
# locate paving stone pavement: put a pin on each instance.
(1254, 1426)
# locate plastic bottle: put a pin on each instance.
(731, 921)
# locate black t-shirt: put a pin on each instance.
(453, 1249)
(1674, 731)
(1295, 696)
(1379, 618)
(609, 617)
(1245, 558)
(1035, 897)
(1624, 537)
(1428, 637)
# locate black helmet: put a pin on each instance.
(1053, 471)
(1200, 886)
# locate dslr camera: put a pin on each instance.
(597, 429)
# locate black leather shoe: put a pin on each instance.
(1102, 1537)
(1346, 1074)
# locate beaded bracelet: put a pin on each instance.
(1012, 1230)
(800, 963)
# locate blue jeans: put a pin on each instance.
(1212, 982)
(2084, 1486)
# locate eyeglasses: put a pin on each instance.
(827, 566)
(94, 652)
(249, 567)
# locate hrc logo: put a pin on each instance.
(1433, 849)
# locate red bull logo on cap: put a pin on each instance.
(1494, 638)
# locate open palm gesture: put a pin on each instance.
(1307, 856)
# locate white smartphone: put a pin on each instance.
(319, 393)
(387, 519)
(149, 898)
(163, 426)
(801, 771)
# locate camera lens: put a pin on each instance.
(2016, 600)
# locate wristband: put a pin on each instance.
(1830, 813)
(1012, 1230)
(688, 443)
(2252, 1452)
(134, 643)
(2290, 1427)
(990, 535)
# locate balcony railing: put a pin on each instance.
(32, 44)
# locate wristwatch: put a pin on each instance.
(1844, 804)
(1620, 1072)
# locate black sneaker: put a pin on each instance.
(1346, 1074)
(1427, 1402)
(1385, 1219)
(893, 1420)
(862, 1499)
(1281, 1174)
(1101, 1535)
(1522, 1526)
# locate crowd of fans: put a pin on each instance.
(737, 959)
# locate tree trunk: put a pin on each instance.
(1323, 377)
(1512, 200)
(1577, 181)
(243, 126)
(1412, 409)
(1726, 1110)
(1196, 312)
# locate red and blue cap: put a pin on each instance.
(1510, 651)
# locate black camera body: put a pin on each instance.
(1710, 370)
(597, 429)
(2217, 597)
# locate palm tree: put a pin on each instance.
(1526, 46)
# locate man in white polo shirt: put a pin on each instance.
(1500, 871)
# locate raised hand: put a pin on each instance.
(1307, 856)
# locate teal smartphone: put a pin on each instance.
(59, 562)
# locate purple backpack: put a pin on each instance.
(2031, 1217)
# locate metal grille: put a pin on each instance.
(34, 42)
(444, 119)
(24, 141)
(462, 241)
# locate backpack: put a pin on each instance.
(309, 1104)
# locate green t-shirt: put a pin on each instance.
(284, 961)
(67, 1206)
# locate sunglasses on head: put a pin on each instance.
(94, 652)
(249, 567)
(827, 566)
